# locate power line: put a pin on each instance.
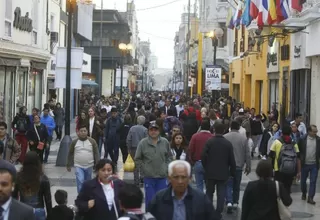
(158, 6)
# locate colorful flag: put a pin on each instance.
(229, 21)
(246, 18)
(237, 16)
(272, 12)
(254, 8)
(283, 10)
(296, 5)
(263, 14)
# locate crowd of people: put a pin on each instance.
(174, 140)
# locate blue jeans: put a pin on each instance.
(82, 175)
(40, 214)
(313, 170)
(233, 187)
(199, 175)
(152, 186)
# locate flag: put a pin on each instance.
(237, 16)
(229, 21)
(263, 15)
(272, 12)
(246, 18)
(283, 10)
(296, 5)
(254, 8)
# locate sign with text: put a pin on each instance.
(213, 78)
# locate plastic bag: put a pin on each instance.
(129, 164)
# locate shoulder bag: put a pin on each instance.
(284, 212)
(40, 145)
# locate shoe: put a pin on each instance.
(311, 201)
(235, 206)
(304, 196)
(229, 208)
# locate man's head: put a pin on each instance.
(83, 132)
(219, 128)
(241, 111)
(154, 131)
(23, 110)
(114, 112)
(91, 112)
(286, 130)
(252, 111)
(130, 197)
(179, 175)
(312, 130)
(61, 197)
(103, 113)
(45, 112)
(235, 125)
(35, 111)
(175, 130)
(298, 118)
(7, 179)
(36, 119)
(168, 102)
(141, 120)
(205, 124)
(3, 128)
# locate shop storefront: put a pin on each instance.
(273, 74)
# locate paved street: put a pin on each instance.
(61, 179)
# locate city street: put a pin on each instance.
(60, 178)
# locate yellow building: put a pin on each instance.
(259, 71)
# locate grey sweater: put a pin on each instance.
(135, 135)
(240, 148)
(154, 159)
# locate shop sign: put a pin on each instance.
(23, 23)
(213, 78)
(297, 51)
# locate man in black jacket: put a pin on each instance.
(219, 164)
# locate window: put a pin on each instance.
(115, 43)
(273, 92)
(34, 37)
(7, 31)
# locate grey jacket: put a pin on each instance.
(20, 211)
(154, 159)
(135, 135)
(240, 149)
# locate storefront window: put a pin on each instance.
(35, 90)
(20, 89)
(31, 91)
(274, 92)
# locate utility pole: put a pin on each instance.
(186, 75)
(100, 53)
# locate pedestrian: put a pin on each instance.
(154, 155)
(135, 135)
(196, 147)
(11, 150)
(179, 147)
(33, 186)
(48, 121)
(93, 125)
(61, 211)
(260, 196)
(98, 198)
(84, 154)
(11, 209)
(180, 200)
(309, 147)
(242, 157)
(59, 120)
(123, 131)
(219, 165)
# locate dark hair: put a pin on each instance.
(46, 109)
(1, 147)
(46, 105)
(29, 176)
(183, 144)
(170, 112)
(130, 196)
(286, 130)
(264, 169)
(235, 125)
(58, 103)
(127, 119)
(35, 109)
(61, 197)
(82, 126)
(205, 124)
(103, 110)
(3, 124)
(297, 115)
(309, 127)
(219, 128)
(101, 163)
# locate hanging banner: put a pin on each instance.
(213, 78)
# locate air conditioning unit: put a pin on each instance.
(54, 37)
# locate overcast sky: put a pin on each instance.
(158, 24)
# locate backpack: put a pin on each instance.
(145, 216)
(287, 161)
(22, 124)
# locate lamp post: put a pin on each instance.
(215, 35)
(124, 49)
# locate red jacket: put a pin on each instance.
(196, 145)
(191, 109)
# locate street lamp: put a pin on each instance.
(124, 49)
(215, 35)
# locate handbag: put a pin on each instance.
(284, 212)
(40, 145)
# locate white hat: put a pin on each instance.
(241, 110)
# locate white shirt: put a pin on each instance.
(6, 209)
(109, 194)
(91, 124)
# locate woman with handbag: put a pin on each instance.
(265, 199)
(37, 137)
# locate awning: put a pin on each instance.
(9, 62)
(86, 82)
(38, 65)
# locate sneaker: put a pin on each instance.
(229, 208)
(235, 205)
(311, 201)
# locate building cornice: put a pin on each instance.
(23, 51)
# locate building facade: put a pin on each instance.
(24, 55)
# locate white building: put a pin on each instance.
(24, 55)
(305, 62)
